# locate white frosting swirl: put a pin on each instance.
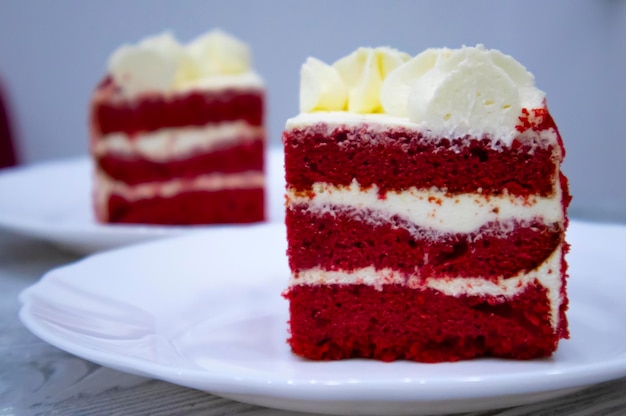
(160, 63)
(458, 91)
(321, 87)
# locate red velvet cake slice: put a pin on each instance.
(177, 134)
(426, 209)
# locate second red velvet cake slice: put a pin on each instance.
(177, 134)
(426, 209)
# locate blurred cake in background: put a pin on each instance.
(177, 133)
(426, 209)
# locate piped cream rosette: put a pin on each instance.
(351, 84)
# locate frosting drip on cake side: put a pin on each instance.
(161, 64)
(445, 92)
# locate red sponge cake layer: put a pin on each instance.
(332, 322)
(219, 207)
(400, 158)
(112, 113)
(347, 240)
(135, 169)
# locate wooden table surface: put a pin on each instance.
(39, 379)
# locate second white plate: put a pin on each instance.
(52, 201)
(205, 311)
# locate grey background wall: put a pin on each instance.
(53, 53)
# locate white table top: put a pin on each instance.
(37, 378)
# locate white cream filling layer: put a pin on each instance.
(548, 275)
(341, 118)
(431, 209)
(177, 143)
(105, 186)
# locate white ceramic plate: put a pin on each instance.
(205, 311)
(52, 201)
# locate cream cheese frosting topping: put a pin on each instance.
(160, 63)
(449, 92)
